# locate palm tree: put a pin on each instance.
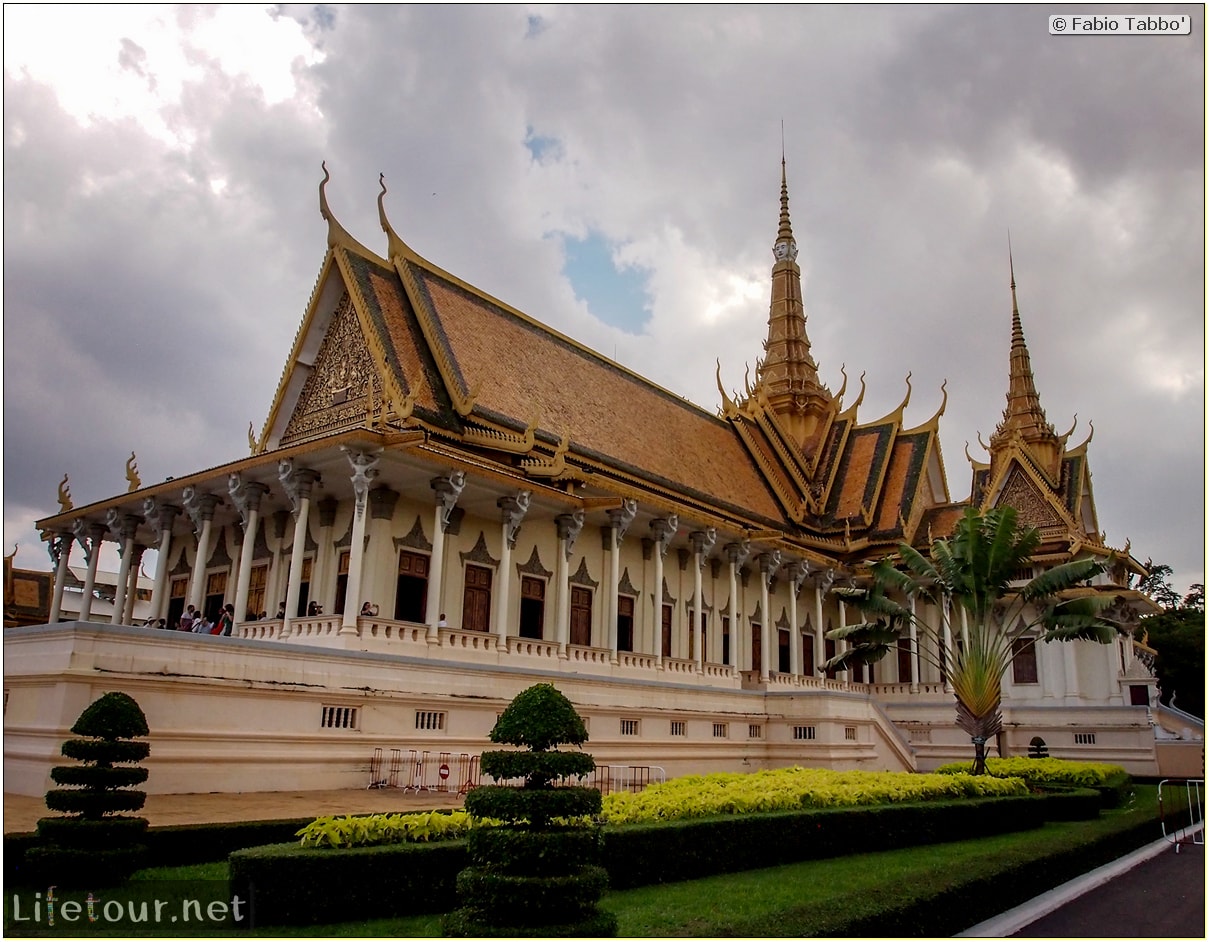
(974, 570)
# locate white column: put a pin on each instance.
(274, 589)
(132, 586)
(123, 527)
(364, 466)
(161, 517)
(568, 528)
(769, 564)
(947, 641)
(797, 573)
(200, 508)
(60, 549)
(913, 633)
(297, 483)
(1070, 668)
(842, 645)
(322, 591)
(664, 529)
(512, 510)
(248, 505)
(447, 487)
(703, 542)
(92, 551)
(821, 584)
(736, 554)
(620, 519)
(611, 591)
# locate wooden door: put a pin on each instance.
(666, 624)
(581, 616)
(476, 601)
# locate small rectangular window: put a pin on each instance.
(335, 717)
(850, 733)
(755, 731)
(679, 728)
(720, 731)
(430, 719)
(1085, 739)
(803, 732)
(629, 727)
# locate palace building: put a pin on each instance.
(424, 527)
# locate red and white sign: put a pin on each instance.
(443, 771)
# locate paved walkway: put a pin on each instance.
(1152, 893)
(21, 813)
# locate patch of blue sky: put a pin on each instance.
(616, 296)
(534, 25)
(540, 146)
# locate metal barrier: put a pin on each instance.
(456, 774)
(627, 778)
(375, 769)
(1186, 797)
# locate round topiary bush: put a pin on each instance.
(536, 875)
(96, 844)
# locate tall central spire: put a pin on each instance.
(1023, 413)
(788, 375)
(1023, 416)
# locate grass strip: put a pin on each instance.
(914, 891)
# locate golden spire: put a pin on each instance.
(1023, 416)
(787, 375)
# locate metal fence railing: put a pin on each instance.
(1177, 797)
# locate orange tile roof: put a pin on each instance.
(860, 466)
(901, 484)
(399, 332)
(523, 372)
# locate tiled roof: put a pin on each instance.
(940, 522)
(521, 372)
(406, 352)
(860, 465)
(901, 483)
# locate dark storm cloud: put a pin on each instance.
(915, 139)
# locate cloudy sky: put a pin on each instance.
(613, 171)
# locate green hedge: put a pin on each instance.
(291, 885)
(171, 846)
(641, 854)
(286, 884)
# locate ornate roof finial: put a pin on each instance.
(394, 245)
(785, 247)
(132, 475)
(336, 233)
(65, 503)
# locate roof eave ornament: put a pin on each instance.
(395, 247)
(336, 233)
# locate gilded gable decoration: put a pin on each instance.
(582, 576)
(1034, 509)
(534, 566)
(343, 383)
(479, 553)
(415, 538)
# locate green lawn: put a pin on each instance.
(814, 898)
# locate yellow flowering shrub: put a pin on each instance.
(1046, 771)
(698, 796)
(368, 829)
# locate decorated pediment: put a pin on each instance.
(1034, 508)
(343, 384)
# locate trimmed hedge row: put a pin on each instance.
(172, 845)
(287, 884)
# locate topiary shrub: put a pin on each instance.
(94, 843)
(536, 875)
